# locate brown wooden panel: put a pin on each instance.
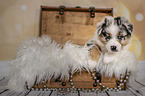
(75, 24)
(82, 80)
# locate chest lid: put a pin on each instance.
(76, 24)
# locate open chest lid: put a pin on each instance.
(75, 24)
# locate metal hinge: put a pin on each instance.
(92, 10)
(61, 9)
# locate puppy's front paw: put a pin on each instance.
(90, 44)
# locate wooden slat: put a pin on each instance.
(102, 94)
(72, 9)
(58, 85)
(7, 93)
(122, 93)
(46, 93)
(35, 93)
(88, 94)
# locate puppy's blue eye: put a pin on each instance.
(120, 37)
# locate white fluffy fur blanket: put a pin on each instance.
(44, 58)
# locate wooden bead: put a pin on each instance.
(63, 84)
(95, 84)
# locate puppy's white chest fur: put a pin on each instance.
(109, 58)
(118, 63)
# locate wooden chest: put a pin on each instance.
(78, 25)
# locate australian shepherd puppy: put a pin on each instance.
(113, 37)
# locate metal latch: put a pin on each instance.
(92, 10)
(61, 10)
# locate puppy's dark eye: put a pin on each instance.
(120, 37)
(104, 34)
(108, 38)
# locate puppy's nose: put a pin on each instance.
(113, 48)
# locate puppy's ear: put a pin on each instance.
(127, 26)
(123, 22)
(118, 20)
(103, 24)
